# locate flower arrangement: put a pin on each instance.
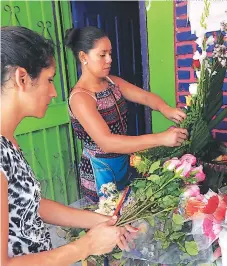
(177, 224)
(170, 212)
(205, 99)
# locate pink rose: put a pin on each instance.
(188, 158)
(192, 191)
(172, 163)
(211, 228)
(184, 169)
(208, 228)
(199, 174)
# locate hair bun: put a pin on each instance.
(71, 37)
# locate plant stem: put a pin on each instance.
(122, 223)
(135, 211)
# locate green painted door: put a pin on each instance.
(48, 143)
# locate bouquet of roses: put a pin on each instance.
(151, 203)
(166, 206)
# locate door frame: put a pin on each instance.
(145, 62)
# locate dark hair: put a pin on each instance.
(22, 47)
(83, 39)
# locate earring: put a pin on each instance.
(85, 62)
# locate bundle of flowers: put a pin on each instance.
(208, 214)
(177, 224)
(163, 205)
(205, 99)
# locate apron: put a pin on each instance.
(115, 170)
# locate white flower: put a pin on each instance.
(193, 88)
(108, 188)
(199, 41)
(200, 57)
(112, 186)
(210, 40)
(223, 62)
(196, 55)
(198, 74)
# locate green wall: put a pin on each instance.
(160, 28)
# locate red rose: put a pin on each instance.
(212, 205)
(196, 64)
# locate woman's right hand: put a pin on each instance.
(105, 236)
(173, 137)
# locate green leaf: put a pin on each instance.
(159, 194)
(169, 201)
(140, 194)
(140, 184)
(172, 187)
(218, 119)
(165, 244)
(142, 168)
(176, 235)
(176, 227)
(182, 248)
(154, 178)
(149, 192)
(151, 221)
(154, 167)
(117, 255)
(191, 248)
(178, 219)
(159, 235)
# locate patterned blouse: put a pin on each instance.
(27, 231)
(106, 105)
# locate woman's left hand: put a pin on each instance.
(174, 114)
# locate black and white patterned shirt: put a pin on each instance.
(27, 231)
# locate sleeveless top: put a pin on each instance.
(106, 102)
(27, 232)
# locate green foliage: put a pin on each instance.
(178, 219)
(176, 235)
(159, 235)
(155, 179)
(154, 167)
(191, 248)
(151, 221)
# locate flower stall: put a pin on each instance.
(179, 199)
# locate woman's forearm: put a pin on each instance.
(55, 213)
(129, 144)
(62, 256)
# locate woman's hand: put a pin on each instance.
(104, 237)
(174, 114)
(173, 137)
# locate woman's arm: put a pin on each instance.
(138, 95)
(84, 109)
(99, 240)
(68, 216)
